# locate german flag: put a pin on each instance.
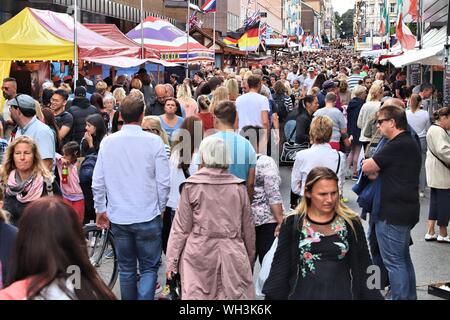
(250, 40)
(230, 41)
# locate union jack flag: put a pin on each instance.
(263, 30)
(194, 21)
(251, 21)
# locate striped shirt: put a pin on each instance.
(353, 80)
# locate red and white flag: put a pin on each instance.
(413, 9)
(404, 35)
(382, 28)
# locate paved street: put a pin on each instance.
(431, 259)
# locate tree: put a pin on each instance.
(347, 23)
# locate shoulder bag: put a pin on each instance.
(290, 149)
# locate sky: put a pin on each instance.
(342, 6)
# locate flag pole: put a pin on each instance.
(259, 38)
(420, 18)
(214, 38)
(75, 44)
(188, 27)
(142, 30)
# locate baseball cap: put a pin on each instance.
(328, 84)
(80, 92)
(311, 69)
(23, 101)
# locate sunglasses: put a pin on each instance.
(151, 130)
(380, 121)
(17, 102)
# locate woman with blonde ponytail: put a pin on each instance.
(369, 109)
(184, 97)
(322, 251)
(419, 120)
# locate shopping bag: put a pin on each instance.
(265, 268)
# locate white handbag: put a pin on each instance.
(265, 268)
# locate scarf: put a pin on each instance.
(24, 191)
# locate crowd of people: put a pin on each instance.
(191, 169)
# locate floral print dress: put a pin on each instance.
(323, 271)
(267, 190)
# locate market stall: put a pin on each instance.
(171, 42)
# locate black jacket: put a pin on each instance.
(353, 110)
(15, 207)
(155, 109)
(81, 108)
(284, 272)
(303, 123)
(8, 235)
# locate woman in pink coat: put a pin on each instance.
(212, 240)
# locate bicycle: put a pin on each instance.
(102, 253)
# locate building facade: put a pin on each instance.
(273, 9)
(123, 13)
(292, 16)
(327, 19)
(368, 16)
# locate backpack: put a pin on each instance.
(87, 168)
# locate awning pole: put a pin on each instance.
(447, 62)
(142, 30)
(75, 45)
(188, 27)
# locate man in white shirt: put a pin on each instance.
(132, 172)
(309, 81)
(293, 75)
(252, 107)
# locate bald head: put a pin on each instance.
(394, 102)
(161, 93)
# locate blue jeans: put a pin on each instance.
(393, 241)
(138, 242)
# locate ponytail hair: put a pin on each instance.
(414, 102)
(307, 99)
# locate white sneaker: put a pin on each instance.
(430, 237)
(443, 239)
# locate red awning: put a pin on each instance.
(111, 31)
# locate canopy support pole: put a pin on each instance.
(75, 45)
(142, 30)
(188, 29)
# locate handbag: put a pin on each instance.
(174, 287)
(290, 149)
(265, 268)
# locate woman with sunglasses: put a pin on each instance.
(152, 124)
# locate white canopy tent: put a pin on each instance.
(432, 52)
